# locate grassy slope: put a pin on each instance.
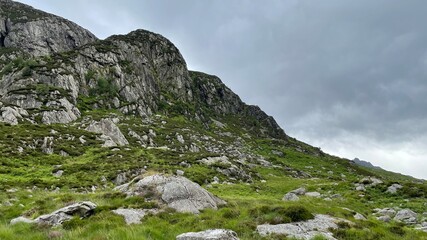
(248, 204)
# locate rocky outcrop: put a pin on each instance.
(11, 115)
(81, 209)
(211, 234)
(406, 216)
(38, 33)
(320, 225)
(176, 192)
(394, 188)
(134, 216)
(111, 134)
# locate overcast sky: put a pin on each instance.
(347, 76)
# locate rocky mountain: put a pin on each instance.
(117, 139)
(364, 163)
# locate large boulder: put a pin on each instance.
(393, 188)
(81, 209)
(176, 192)
(111, 134)
(320, 225)
(406, 216)
(211, 234)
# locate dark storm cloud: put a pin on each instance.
(330, 72)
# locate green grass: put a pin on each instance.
(249, 204)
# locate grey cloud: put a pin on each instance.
(325, 70)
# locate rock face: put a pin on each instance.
(176, 192)
(320, 225)
(82, 209)
(211, 234)
(139, 73)
(38, 33)
(111, 134)
(134, 216)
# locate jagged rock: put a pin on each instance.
(65, 113)
(406, 216)
(180, 138)
(211, 234)
(177, 192)
(290, 197)
(39, 33)
(393, 188)
(47, 146)
(134, 216)
(320, 225)
(11, 115)
(111, 134)
(82, 209)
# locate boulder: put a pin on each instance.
(299, 191)
(82, 209)
(290, 196)
(359, 216)
(111, 134)
(313, 194)
(134, 216)
(176, 192)
(406, 216)
(320, 225)
(393, 188)
(211, 234)
(384, 218)
(386, 212)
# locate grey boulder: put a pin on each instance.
(211, 234)
(176, 192)
(111, 134)
(406, 216)
(82, 209)
(134, 216)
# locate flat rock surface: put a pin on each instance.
(320, 225)
(211, 234)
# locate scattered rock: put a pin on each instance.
(359, 216)
(313, 194)
(111, 134)
(300, 191)
(384, 218)
(211, 234)
(82, 209)
(393, 188)
(406, 216)
(58, 173)
(290, 196)
(320, 225)
(134, 216)
(177, 192)
(278, 153)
